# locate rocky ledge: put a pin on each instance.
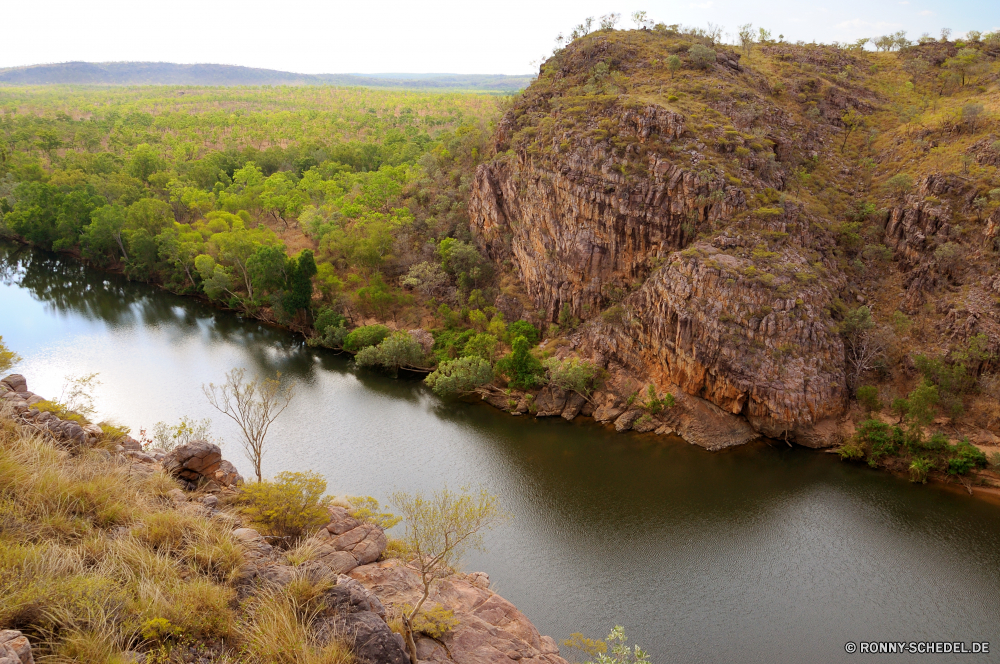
(366, 592)
(369, 592)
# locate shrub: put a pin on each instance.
(919, 469)
(966, 457)
(362, 337)
(287, 507)
(868, 398)
(701, 56)
(572, 374)
(8, 358)
(654, 404)
(369, 510)
(899, 184)
(461, 376)
(521, 368)
(882, 440)
(397, 350)
(994, 459)
(851, 452)
(436, 622)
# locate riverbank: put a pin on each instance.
(180, 505)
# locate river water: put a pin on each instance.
(757, 554)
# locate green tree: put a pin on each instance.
(900, 184)
(104, 236)
(674, 65)
(269, 270)
(482, 345)
(521, 368)
(396, 351)
(144, 162)
(300, 287)
(702, 57)
(460, 376)
(963, 64)
(572, 374)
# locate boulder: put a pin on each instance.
(15, 648)
(366, 543)
(194, 461)
(16, 383)
(550, 401)
(340, 521)
(227, 475)
(625, 421)
(371, 639)
(490, 629)
(574, 403)
(609, 409)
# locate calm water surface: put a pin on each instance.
(759, 554)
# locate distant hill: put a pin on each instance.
(168, 73)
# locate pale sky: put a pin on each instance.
(445, 36)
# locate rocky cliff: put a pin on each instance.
(708, 229)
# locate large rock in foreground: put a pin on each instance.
(200, 461)
(490, 629)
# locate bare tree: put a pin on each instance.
(864, 345)
(439, 530)
(254, 405)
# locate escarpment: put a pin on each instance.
(607, 209)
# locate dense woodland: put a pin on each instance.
(279, 202)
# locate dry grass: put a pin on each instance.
(91, 554)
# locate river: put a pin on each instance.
(763, 553)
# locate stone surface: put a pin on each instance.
(489, 627)
(192, 462)
(366, 543)
(371, 639)
(16, 382)
(550, 401)
(625, 421)
(15, 648)
(574, 404)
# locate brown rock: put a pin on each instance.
(550, 401)
(193, 461)
(340, 521)
(574, 404)
(489, 627)
(625, 421)
(16, 382)
(366, 543)
(15, 647)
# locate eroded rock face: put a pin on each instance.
(490, 629)
(577, 232)
(701, 324)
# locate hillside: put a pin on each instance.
(168, 73)
(763, 232)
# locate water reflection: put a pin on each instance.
(758, 554)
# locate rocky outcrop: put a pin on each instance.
(490, 629)
(15, 648)
(200, 462)
(68, 432)
(582, 231)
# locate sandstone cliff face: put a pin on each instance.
(582, 230)
(756, 342)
